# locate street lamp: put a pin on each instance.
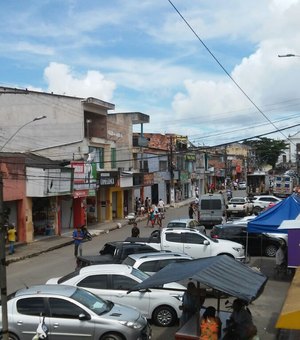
(20, 128)
(3, 281)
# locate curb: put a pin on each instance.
(117, 225)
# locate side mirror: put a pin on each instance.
(206, 242)
(83, 317)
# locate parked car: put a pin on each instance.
(113, 252)
(193, 243)
(244, 221)
(72, 313)
(260, 203)
(151, 263)
(257, 243)
(186, 223)
(240, 206)
(242, 185)
(114, 282)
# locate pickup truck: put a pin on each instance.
(114, 252)
(193, 243)
(239, 206)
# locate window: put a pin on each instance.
(60, 308)
(94, 281)
(163, 166)
(32, 306)
(113, 158)
(194, 239)
(99, 157)
(121, 282)
(149, 266)
(173, 237)
(211, 204)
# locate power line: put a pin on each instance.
(226, 72)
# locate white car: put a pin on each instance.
(114, 282)
(186, 223)
(262, 202)
(239, 206)
(151, 263)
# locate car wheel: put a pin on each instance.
(164, 316)
(257, 210)
(271, 250)
(10, 337)
(111, 336)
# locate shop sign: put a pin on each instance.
(58, 181)
(108, 179)
(83, 176)
(148, 179)
(190, 157)
(184, 176)
(80, 193)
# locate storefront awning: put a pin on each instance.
(290, 313)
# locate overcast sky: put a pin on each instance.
(215, 77)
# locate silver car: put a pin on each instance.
(72, 313)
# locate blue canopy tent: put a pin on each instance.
(270, 220)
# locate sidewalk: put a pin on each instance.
(49, 243)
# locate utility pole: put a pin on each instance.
(3, 284)
(172, 193)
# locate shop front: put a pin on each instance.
(109, 196)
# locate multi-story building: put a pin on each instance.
(81, 134)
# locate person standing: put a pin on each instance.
(189, 305)
(78, 237)
(191, 211)
(161, 205)
(11, 236)
(135, 231)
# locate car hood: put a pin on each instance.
(124, 313)
(174, 285)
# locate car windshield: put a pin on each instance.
(176, 225)
(91, 301)
(237, 200)
(139, 274)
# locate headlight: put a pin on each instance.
(178, 297)
(237, 249)
(131, 324)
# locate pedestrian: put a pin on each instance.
(210, 325)
(161, 205)
(240, 325)
(189, 305)
(78, 237)
(11, 236)
(191, 211)
(135, 231)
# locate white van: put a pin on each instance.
(212, 208)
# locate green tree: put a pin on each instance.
(267, 150)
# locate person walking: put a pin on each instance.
(78, 237)
(11, 236)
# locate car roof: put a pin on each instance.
(106, 269)
(160, 255)
(180, 220)
(62, 290)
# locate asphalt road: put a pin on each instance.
(38, 270)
